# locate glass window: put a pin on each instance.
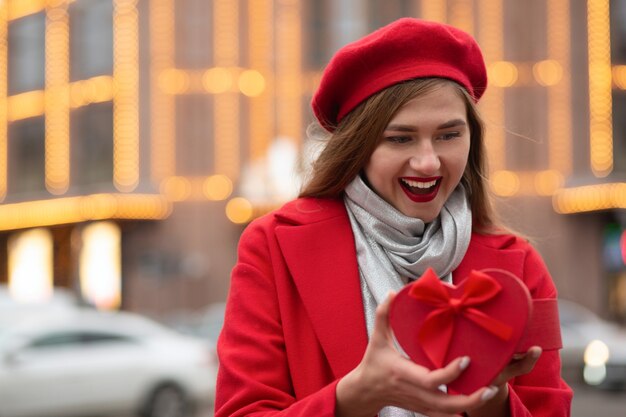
(27, 156)
(383, 13)
(193, 32)
(92, 144)
(26, 66)
(91, 38)
(618, 32)
(619, 130)
(56, 340)
(317, 53)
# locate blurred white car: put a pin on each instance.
(79, 362)
(594, 349)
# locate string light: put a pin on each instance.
(590, 198)
(25, 105)
(239, 210)
(503, 74)
(555, 73)
(261, 117)
(220, 80)
(126, 101)
(162, 105)
(56, 99)
(492, 104)
(3, 99)
(65, 210)
(600, 94)
(288, 70)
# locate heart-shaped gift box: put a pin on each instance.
(488, 316)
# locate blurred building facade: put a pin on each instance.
(138, 137)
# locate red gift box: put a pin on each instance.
(488, 316)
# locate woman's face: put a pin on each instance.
(422, 154)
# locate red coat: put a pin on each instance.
(294, 320)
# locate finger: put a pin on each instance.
(447, 374)
(381, 321)
(520, 366)
(454, 404)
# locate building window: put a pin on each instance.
(91, 38)
(27, 156)
(92, 145)
(383, 13)
(193, 32)
(100, 265)
(30, 265)
(26, 63)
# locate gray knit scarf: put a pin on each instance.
(392, 247)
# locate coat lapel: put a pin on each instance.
(322, 260)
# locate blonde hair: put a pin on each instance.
(353, 141)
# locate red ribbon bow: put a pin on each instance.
(436, 332)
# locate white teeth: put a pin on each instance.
(419, 184)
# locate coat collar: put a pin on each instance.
(316, 240)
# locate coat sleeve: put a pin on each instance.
(254, 377)
(542, 392)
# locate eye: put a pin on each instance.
(449, 136)
(398, 139)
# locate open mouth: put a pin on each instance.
(420, 189)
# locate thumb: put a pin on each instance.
(381, 323)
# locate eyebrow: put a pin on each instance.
(409, 128)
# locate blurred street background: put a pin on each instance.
(138, 138)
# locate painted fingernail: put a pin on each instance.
(464, 363)
(489, 393)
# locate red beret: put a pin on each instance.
(405, 49)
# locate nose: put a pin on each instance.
(425, 159)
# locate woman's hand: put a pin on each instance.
(386, 378)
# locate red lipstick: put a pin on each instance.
(420, 198)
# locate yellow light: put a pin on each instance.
(3, 100)
(217, 80)
(57, 98)
(218, 187)
(126, 101)
(590, 198)
(25, 105)
(100, 265)
(239, 210)
(600, 87)
(548, 72)
(78, 209)
(162, 106)
(30, 265)
(548, 182)
(173, 81)
(503, 73)
(21, 8)
(260, 54)
(176, 188)
(619, 76)
(505, 183)
(93, 90)
(251, 83)
(288, 74)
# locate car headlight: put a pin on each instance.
(596, 356)
(596, 353)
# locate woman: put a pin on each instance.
(398, 188)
